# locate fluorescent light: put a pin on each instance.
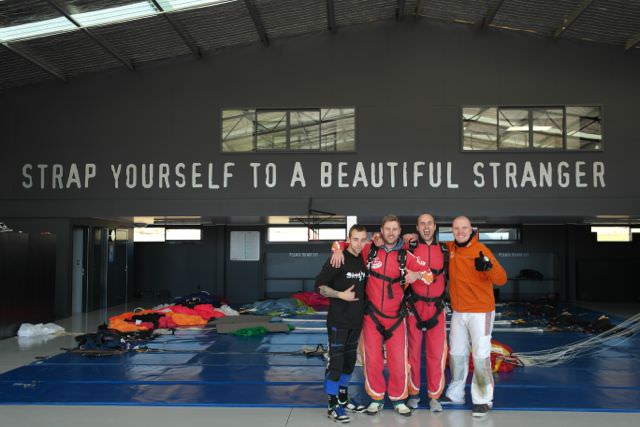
(148, 234)
(169, 5)
(635, 230)
(115, 14)
(35, 29)
(184, 234)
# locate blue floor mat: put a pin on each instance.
(202, 368)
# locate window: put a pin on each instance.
(313, 130)
(162, 234)
(148, 234)
(184, 4)
(487, 234)
(183, 234)
(114, 14)
(35, 29)
(495, 128)
(244, 246)
(612, 233)
(288, 234)
(304, 234)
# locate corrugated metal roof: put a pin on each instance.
(215, 27)
(212, 27)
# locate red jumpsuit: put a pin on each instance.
(386, 297)
(436, 337)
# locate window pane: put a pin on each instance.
(305, 130)
(272, 130)
(547, 128)
(479, 128)
(584, 128)
(506, 234)
(148, 234)
(237, 130)
(338, 129)
(514, 128)
(287, 234)
(445, 234)
(184, 234)
(328, 234)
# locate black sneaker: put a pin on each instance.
(446, 400)
(480, 410)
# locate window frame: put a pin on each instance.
(288, 150)
(531, 108)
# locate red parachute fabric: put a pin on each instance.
(312, 299)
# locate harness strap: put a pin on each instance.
(386, 333)
(411, 298)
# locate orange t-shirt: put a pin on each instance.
(471, 290)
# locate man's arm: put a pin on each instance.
(348, 295)
(415, 264)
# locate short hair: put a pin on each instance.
(357, 227)
(426, 213)
(389, 218)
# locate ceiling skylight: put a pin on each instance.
(128, 12)
(169, 5)
(115, 14)
(35, 29)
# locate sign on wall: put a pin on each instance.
(317, 175)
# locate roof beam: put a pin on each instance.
(491, 13)
(98, 40)
(29, 56)
(569, 20)
(331, 16)
(255, 15)
(400, 10)
(186, 38)
(632, 42)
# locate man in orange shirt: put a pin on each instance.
(473, 270)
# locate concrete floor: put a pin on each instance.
(15, 352)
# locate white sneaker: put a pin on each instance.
(402, 409)
(434, 405)
(413, 401)
(375, 407)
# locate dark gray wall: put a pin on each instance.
(61, 228)
(407, 82)
(168, 270)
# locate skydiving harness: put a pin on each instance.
(371, 310)
(411, 297)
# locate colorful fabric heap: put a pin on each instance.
(282, 307)
(167, 317)
(312, 299)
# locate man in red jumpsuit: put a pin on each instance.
(384, 322)
(427, 317)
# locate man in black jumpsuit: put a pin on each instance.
(345, 288)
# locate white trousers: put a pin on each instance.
(471, 331)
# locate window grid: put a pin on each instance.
(322, 143)
(533, 135)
